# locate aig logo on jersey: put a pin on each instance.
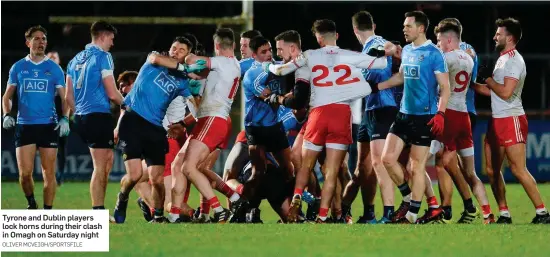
(411, 71)
(35, 85)
(165, 83)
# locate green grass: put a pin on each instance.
(137, 238)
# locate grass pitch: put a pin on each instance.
(137, 238)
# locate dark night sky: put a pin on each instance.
(272, 18)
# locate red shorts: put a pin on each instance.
(303, 129)
(329, 124)
(241, 137)
(174, 147)
(458, 133)
(212, 131)
(507, 131)
(225, 143)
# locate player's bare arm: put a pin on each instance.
(111, 90)
(64, 105)
(6, 99)
(69, 93)
(164, 61)
(396, 80)
(504, 91)
(444, 90)
(481, 89)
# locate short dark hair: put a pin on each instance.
(257, 42)
(452, 21)
(31, 30)
(512, 26)
(199, 50)
(395, 42)
(290, 36)
(185, 41)
(420, 18)
(99, 27)
(225, 37)
(446, 27)
(193, 40)
(127, 76)
(362, 20)
(250, 34)
(324, 26)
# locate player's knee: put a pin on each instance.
(25, 176)
(296, 154)
(187, 168)
(377, 161)
(389, 159)
(415, 168)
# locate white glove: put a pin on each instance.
(63, 127)
(8, 122)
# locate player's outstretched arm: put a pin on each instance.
(284, 69)
(396, 80)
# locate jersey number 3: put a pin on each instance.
(342, 80)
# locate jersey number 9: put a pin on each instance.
(462, 79)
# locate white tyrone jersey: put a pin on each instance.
(335, 74)
(509, 65)
(221, 87)
(175, 112)
(460, 66)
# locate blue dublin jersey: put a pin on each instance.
(36, 85)
(384, 97)
(245, 65)
(288, 119)
(470, 95)
(258, 112)
(419, 66)
(87, 70)
(153, 91)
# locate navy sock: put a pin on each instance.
(98, 207)
(415, 206)
(388, 211)
(447, 212)
(368, 212)
(404, 189)
(159, 212)
(31, 200)
(47, 207)
(469, 205)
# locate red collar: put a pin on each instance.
(507, 52)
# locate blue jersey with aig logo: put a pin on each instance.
(384, 97)
(419, 66)
(470, 95)
(153, 91)
(36, 85)
(87, 70)
(257, 112)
